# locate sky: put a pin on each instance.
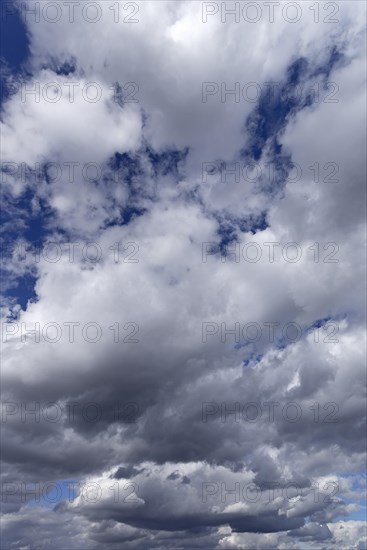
(183, 275)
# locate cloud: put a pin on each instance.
(142, 371)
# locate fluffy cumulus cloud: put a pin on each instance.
(184, 264)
